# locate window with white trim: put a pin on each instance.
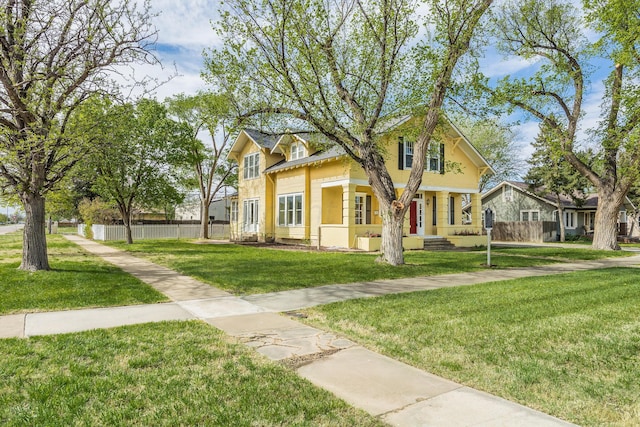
(623, 217)
(570, 219)
(250, 215)
(530, 215)
(433, 160)
(251, 166)
(298, 151)
(234, 211)
(290, 210)
(363, 209)
(507, 193)
(589, 219)
(408, 154)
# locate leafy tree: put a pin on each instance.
(554, 34)
(63, 200)
(210, 114)
(345, 70)
(551, 174)
(135, 160)
(96, 211)
(497, 144)
(54, 55)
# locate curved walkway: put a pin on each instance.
(399, 394)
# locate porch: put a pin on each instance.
(351, 218)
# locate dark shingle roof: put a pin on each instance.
(330, 153)
(591, 199)
(265, 140)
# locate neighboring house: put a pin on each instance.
(190, 209)
(290, 190)
(511, 201)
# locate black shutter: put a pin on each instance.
(400, 153)
(368, 211)
(442, 159)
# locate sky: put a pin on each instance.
(184, 32)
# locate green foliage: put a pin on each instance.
(555, 34)
(55, 57)
(348, 72)
(214, 115)
(137, 155)
(550, 173)
(496, 142)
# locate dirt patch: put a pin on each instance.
(296, 362)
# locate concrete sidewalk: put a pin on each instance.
(397, 393)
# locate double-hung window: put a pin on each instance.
(234, 211)
(363, 209)
(433, 162)
(290, 210)
(408, 154)
(570, 219)
(529, 215)
(297, 151)
(251, 166)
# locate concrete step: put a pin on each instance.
(438, 244)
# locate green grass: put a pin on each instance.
(67, 230)
(566, 254)
(76, 280)
(250, 270)
(568, 345)
(163, 374)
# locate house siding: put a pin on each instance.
(329, 190)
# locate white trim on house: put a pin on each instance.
(400, 186)
(530, 214)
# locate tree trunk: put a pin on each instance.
(563, 232)
(204, 221)
(605, 228)
(126, 220)
(34, 238)
(391, 251)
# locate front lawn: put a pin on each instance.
(568, 345)
(249, 270)
(76, 280)
(162, 374)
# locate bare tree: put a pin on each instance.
(54, 55)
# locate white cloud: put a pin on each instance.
(186, 23)
(525, 134)
(184, 32)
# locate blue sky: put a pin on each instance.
(184, 31)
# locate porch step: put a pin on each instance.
(438, 244)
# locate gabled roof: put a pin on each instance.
(590, 203)
(261, 139)
(309, 139)
(272, 141)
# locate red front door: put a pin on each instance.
(413, 218)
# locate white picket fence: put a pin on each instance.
(155, 231)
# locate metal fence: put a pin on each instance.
(155, 231)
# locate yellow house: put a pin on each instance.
(292, 190)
